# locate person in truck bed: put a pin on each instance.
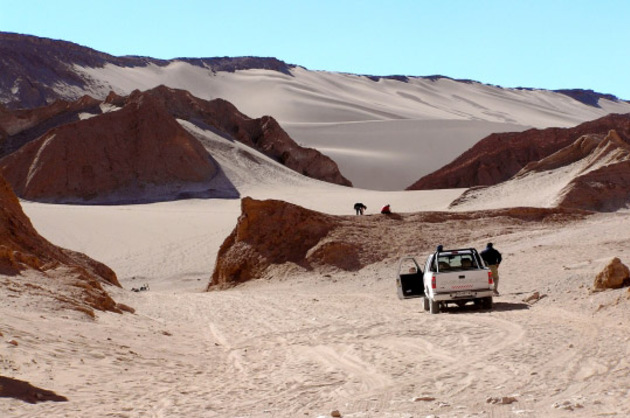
(492, 258)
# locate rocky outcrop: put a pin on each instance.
(76, 152)
(498, 157)
(591, 174)
(263, 134)
(269, 232)
(274, 237)
(605, 180)
(614, 275)
(22, 249)
(18, 127)
(133, 154)
(601, 174)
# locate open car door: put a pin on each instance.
(409, 279)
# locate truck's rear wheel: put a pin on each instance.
(486, 303)
(434, 307)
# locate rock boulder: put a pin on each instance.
(614, 275)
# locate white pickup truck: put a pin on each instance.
(450, 276)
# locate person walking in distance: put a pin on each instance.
(492, 258)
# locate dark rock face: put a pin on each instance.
(31, 66)
(498, 157)
(588, 97)
(22, 248)
(111, 156)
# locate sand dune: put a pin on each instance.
(333, 112)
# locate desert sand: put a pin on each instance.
(335, 343)
(315, 343)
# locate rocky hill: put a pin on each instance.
(132, 149)
(278, 238)
(263, 134)
(593, 173)
(30, 265)
(18, 127)
(604, 180)
(135, 153)
(499, 156)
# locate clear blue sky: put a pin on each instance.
(548, 44)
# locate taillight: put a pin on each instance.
(433, 285)
(490, 281)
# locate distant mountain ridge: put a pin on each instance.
(31, 64)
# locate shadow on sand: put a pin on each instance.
(497, 306)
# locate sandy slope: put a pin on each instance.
(364, 124)
(309, 344)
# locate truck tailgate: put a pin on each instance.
(461, 281)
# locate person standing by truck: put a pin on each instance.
(492, 258)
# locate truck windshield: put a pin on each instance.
(459, 261)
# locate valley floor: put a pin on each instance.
(309, 344)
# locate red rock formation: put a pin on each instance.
(22, 248)
(498, 157)
(16, 121)
(274, 236)
(614, 275)
(605, 183)
(114, 156)
(579, 150)
(595, 169)
(268, 232)
(24, 125)
(123, 155)
(263, 134)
